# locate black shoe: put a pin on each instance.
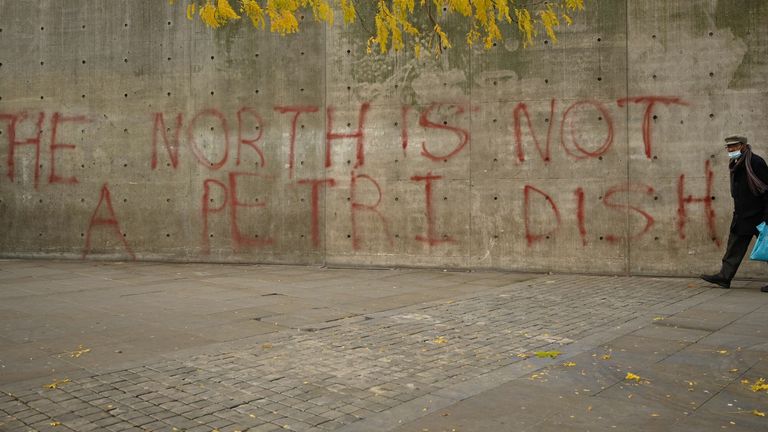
(717, 280)
(764, 289)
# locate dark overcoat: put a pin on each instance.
(748, 209)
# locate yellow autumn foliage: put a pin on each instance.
(398, 23)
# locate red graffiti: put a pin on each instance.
(359, 135)
(580, 215)
(431, 238)
(638, 188)
(172, 144)
(110, 221)
(650, 101)
(461, 134)
(357, 207)
(238, 239)
(709, 210)
(230, 200)
(523, 108)
(404, 127)
(531, 237)
(315, 219)
(250, 142)
(57, 120)
(201, 157)
(13, 120)
(207, 210)
(582, 152)
(297, 111)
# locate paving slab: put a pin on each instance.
(230, 347)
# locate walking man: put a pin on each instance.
(749, 189)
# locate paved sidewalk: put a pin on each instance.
(201, 347)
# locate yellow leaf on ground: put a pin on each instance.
(547, 354)
(759, 385)
(758, 413)
(266, 346)
(734, 370)
(522, 355)
(632, 377)
(55, 423)
(569, 364)
(606, 357)
(658, 318)
(440, 340)
(56, 383)
(79, 351)
(723, 352)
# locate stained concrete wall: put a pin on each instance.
(130, 133)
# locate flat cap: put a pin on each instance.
(735, 139)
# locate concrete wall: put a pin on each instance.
(130, 132)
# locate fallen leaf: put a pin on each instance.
(655, 415)
(569, 364)
(723, 352)
(734, 370)
(658, 318)
(55, 423)
(440, 340)
(758, 413)
(522, 355)
(56, 383)
(266, 346)
(79, 351)
(547, 354)
(632, 377)
(606, 357)
(759, 385)
(589, 408)
(445, 414)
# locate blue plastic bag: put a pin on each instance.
(760, 251)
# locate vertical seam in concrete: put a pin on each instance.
(628, 260)
(469, 207)
(324, 258)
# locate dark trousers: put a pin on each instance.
(734, 253)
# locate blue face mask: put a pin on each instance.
(734, 154)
